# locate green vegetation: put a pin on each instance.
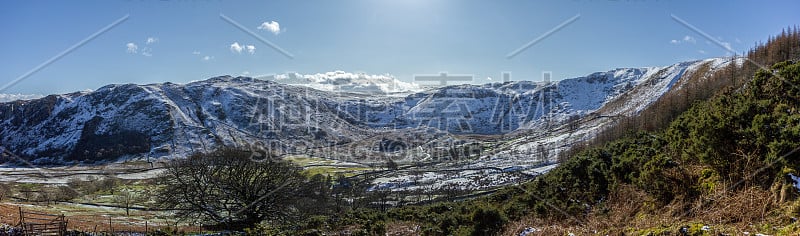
(714, 157)
(306, 160)
(733, 143)
(727, 140)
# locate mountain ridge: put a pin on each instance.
(168, 120)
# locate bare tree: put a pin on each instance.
(229, 189)
(127, 197)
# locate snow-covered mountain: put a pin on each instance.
(335, 109)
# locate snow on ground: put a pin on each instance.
(63, 175)
(636, 88)
(537, 113)
(147, 174)
(796, 181)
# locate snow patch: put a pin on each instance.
(796, 180)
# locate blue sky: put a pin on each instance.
(185, 40)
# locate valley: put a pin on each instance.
(390, 144)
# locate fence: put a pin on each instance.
(37, 223)
(29, 222)
(91, 224)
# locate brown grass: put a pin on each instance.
(402, 228)
(9, 214)
(744, 207)
(630, 210)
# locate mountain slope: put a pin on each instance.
(171, 120)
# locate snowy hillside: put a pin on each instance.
(588, 104)
(331, 110)
(545, 120)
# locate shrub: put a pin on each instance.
(487, 221)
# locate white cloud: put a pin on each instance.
(685, 39)
(235, 47)
(737, 40)
(132, 48)
(689, 39)
(147, 52)
(238, 48)
(13, 97)
(702, 52)
(206, 57)
(151, 40)
(251, 49)
(271, 26)
(340, 81)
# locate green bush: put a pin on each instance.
(487, 221)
